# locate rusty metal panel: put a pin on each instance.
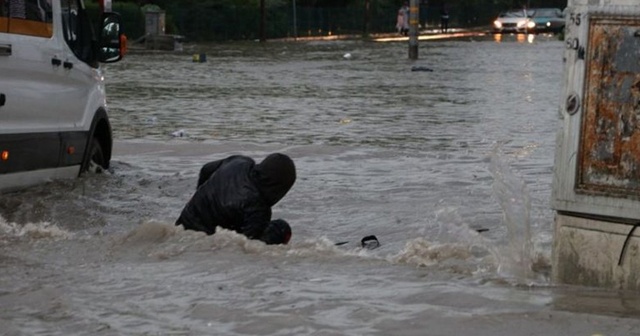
(609, 150)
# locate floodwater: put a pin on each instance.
(450, 169)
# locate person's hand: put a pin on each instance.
(277, 232)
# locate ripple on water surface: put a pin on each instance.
(423, 160)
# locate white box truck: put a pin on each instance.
(53, 115)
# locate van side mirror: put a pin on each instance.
(112, 43)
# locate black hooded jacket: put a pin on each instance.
(237, 194)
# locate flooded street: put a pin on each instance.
(451, 169)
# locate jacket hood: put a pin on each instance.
(275, 175)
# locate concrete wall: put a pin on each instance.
(586, 252)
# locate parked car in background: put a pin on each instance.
(546, 20)
(512, 21)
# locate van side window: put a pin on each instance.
(26, 17)
(78, 31)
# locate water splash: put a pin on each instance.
(452, 228)
(40, 230)
(422, 253)
(514, 198)
(457, 248)
(158, 240)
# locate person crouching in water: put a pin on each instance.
(237, 194)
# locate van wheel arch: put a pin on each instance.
(99, 142)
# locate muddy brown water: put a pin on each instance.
(423, 160)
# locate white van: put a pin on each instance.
(53, 115)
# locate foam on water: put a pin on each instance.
(421, 252)
(41, 230)
(155, 240)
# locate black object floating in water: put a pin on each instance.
(421, 68)
(370, 242)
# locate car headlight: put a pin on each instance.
(497, 24)
(531, 24)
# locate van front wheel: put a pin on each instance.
(95, 161)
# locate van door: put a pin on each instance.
(29, 72)
(84, 87)
(82, 75)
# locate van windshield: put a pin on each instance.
(26, 17)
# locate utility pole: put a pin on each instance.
(295, 21)
(367, 18)
(105, 6)
(413, 29)
(263, 18)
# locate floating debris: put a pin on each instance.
(199, 58)
(179, 134)
(421, 68)
(370, 242)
